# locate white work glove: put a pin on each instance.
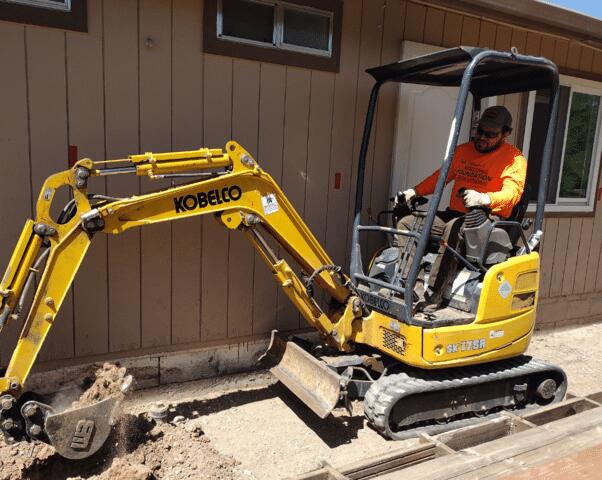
(409, 194)
(472, 198)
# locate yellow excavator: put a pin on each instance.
(416, 371)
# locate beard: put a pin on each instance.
(483, 147)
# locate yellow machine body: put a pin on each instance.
(243, 197)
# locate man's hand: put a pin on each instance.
(407, 195)
(472, 198)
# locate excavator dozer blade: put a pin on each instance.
(310, 379)
(80, 432)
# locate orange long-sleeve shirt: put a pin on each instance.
(500, 174)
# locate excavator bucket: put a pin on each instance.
(310, 379)
(80, 432)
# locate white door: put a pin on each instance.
(424, 115)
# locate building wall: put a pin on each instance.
(192, 283)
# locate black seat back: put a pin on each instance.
(518, 214)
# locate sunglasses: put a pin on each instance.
(487, 134)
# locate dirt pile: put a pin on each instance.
(106, 383)
(138, 449)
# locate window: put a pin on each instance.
(577, 149)
(64, 14)
(297, 32)
(64, 5)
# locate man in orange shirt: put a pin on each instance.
(487, 172)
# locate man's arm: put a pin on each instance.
(513, 185)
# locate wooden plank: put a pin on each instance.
(547, 256)
(15, 181)
(384, 131)
(470, 31)
(562, 242)
(561, 52)
(318, 152)
(587, 226)
(414, 26)
(472, 435)
(294, 169)
(452, 30)
(187, 133)
(121, 139)
(574, 55)
(86, 131)
(217, 120)
(462, 466)
(369, 55)
(533, 44)
(584, 464)
(345, 99)
(487, 34)
(548, 458)
(557, 411)
(571, 255)
(48, 121)
(155, 135)
(519, 39)
(433, 26)
(547, 46)
(503, 38)
(270, 147)
(245, 118)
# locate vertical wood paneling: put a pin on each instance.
(345, 99)
(433, 26)
(558, 264)
(452, 29)
(294, 171)
(574, 55)
(48, 135)
(318, 152)
(14, 138)
(470, 31)
(121, 139)
(547, 256)
(571, 255)
(187, 133)
(270, 146)
(487, 34)
(217, 121)
(245, 111)
(155, 135)
(86, 131)
(384, 131)
(503, 37)
(547, 46)
(369, 56)
(414, 30)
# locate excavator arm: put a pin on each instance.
(226, 183)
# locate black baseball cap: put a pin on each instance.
(497, 116)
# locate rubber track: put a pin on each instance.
(390, 389)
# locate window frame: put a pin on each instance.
(281, 53)
(35, 12)
(567, 204)
(48, 4)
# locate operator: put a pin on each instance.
(488, 173)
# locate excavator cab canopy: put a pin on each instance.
(484, 73)
(492, 76)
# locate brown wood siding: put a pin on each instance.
(138, 81)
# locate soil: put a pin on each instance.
(248, 426)
(106, 383)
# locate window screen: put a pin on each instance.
(248, 20)
(306, 29)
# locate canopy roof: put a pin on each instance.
(492, 76)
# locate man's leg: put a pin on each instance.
(407, 223)
(446, 265)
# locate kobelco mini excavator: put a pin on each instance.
(416, 371)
